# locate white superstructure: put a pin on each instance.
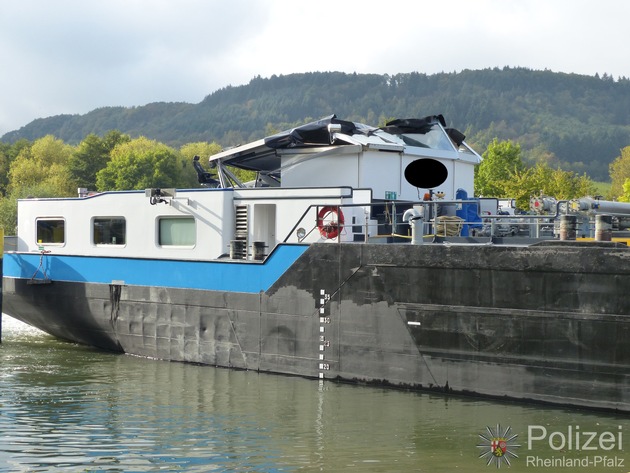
(314, 183)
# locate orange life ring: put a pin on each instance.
(331, 227)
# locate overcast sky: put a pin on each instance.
(72, 56)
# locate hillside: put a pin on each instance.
(577, 122)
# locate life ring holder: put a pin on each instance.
(330, 229)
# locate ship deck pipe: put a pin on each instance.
(415, 221)
(587, 204)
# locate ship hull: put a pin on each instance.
(548, 324)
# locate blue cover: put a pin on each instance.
(469, 212)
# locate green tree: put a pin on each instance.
(542, 179)
(115, 137)
(501, 162)
(140, 164)
(619, 173)
(626, 191)
(203, 149)
(4, 167)
(44, 165)
(91, 156)
(8, 215)
(8, 203)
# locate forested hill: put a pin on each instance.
(577, 122)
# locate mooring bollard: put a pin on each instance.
(259, 250)
(567, 227)
(603, 227)
(237, 249)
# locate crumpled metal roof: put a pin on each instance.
(264, 154)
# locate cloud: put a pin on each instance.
(71, 56)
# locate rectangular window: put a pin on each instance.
(177, 231)
(109, 231)
(51, 231)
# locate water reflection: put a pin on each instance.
(70, 408)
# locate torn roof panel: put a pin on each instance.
(264, 154)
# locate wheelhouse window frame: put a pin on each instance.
(431, 136)
(176, 231)
(50, 231)
(109, 231)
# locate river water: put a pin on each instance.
(70, 408)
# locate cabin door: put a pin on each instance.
(264, 230)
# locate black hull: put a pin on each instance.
(548, 324)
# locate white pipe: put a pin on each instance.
(415, 221)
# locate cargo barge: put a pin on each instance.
(355, 255)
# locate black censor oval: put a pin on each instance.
(426, 173)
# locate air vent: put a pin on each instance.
(241, 230)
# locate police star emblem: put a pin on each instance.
(497, 446)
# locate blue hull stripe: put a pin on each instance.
(242, 276)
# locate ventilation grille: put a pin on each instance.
(239, 246)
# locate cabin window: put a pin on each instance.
(433, 138)
(177, 231)
(51, 231)
(109, 231)
(429, 136)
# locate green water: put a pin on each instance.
(65, 407)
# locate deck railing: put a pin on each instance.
(384, 220)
